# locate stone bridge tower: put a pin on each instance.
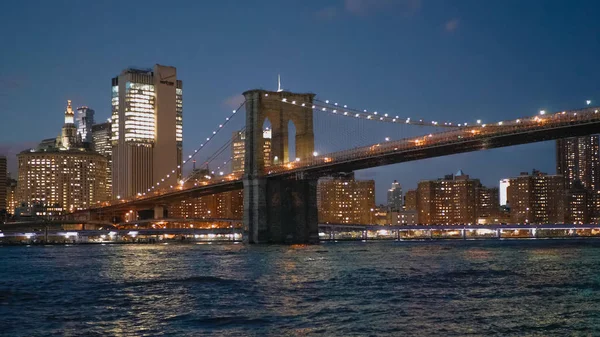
(278, 210)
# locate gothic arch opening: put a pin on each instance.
(291, 127)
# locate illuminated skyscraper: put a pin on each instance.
(147, 130)
(537, 198)
(11, 196)
(101, 139)
(84, 120)
(341, 199)
(68, 138)
(502, 190)
(394, 197)
(238, 150)
(3, 183)
(578, 159)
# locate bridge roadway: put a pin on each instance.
(474, 138)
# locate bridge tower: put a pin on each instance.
(278, 210)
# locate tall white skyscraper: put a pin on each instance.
(147, 129)
(84, 120)
(394, 197)
(504, 183)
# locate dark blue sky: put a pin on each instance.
(456, 60)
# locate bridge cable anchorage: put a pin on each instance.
(191, 156)
(344, 110)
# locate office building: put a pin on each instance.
(85, 121)
(394, 197)
(451, 200)
(67, 175)
(101, 140)
(68, 139)
(4, 183)
(536, 198)
(238, 149)
(577, 159)
(488, 203)
(146, 130)
(410, 200)
(403, 217)
(343, 200)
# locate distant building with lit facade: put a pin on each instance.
(451, 200)
(343, 200)
(410, 200)
(146, 130)
(101, 139)
(67, 175)
(238, 149)
(536, 198)
(403, 217)
(4, 183)
(11, 196)
(502, 190)
(577, 207)
(84, 120)
(577, 159)
(394, 197)
(226, 205)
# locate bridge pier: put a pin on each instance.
(280, 211)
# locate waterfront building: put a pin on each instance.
(394, 197)
(4, 183)
(577, 159)
(85, 121)
(403, 217)
(343, 200)
(146, 130)
(238, 149)
(66, 176)
(11, 196)
(536, 198)
(101, 140)
(451, 200)
(488, 203)
(410, 200)
(577, 206)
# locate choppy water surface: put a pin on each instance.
(544, 287)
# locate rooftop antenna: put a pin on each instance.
(279, 89)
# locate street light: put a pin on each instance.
(588, 102)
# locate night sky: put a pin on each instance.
(453, 60)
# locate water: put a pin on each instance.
(533, 287)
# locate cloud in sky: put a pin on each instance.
(451, 25)
(369, 7)
(234, 101)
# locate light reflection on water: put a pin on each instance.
(542, 287)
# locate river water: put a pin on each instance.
(445, 288)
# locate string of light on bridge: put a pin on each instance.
(191, 156)
(343, 110)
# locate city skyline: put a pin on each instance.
(493, 83)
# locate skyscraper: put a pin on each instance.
(147, 130)
(504, 183)
(394, 197)
(537, 198)
(577, 159)
(101, 139)
(84, 120)
(238, 149)
(11, 196)
(3, 183)
(68, 138)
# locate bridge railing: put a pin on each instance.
(445, 138)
